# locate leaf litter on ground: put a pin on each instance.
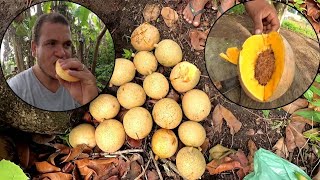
(220, 113)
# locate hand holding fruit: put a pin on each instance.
(77, 79)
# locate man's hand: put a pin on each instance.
(264, 16)
(84, 90)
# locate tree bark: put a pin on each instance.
(17, 49)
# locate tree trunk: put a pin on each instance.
(96, 50)
(281, 8)
(17, 49)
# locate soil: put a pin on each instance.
(125, 16)
(264, 67)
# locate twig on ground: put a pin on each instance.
(172, 166)
(266, 129)
(144, 170)
(127, 151)
(156, 165)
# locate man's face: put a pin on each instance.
(54, 43)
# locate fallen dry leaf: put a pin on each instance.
(152, 175)
(294, 137)
(245, 166)
(96, 167)
(173, 95)
(219, 152)
(295, 105)
(198, 39)
(56, 176)
(23, 151)
(281, 148)
(133, 142)
(135, 170)
(151, 12)
(76, 153)
(252, 150)
(233, 123)
(219, 166)
(205, 145)
(170, 16)
(298, 118)
(45, 167)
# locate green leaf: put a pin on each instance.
(316, 103)
(315, 90)
(308, 95)
(318, 76)
(46, 7)
(82, 13)
(127, 53)
(21, 31)
(309, 114)
(11, 171)
(266, 113)
(313, 134)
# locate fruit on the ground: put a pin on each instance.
(168, 53)
(145, 62)
(190, 163)
(144, 37)
(110, 135)
(156, 85)
(104, 107)
(64, 74)
(196, 105)
(137, 123)
(266, 66)
(124, 71)
(232, 55)
(131, 95)
(82, 134)
(164, 143)
(191, 133)
(184, 76)
(167, 113)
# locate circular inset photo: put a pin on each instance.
(57, 55)
(266, 70)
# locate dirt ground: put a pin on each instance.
(266, 130)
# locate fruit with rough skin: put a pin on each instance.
(167, 113)
(168, 53)
(156, 85)
(164, 143)
(131, 95)
(144, 37)
(104, 107)
(64, 74)
(145, 62)
(124, 71)
(82, 134)
(192, 133)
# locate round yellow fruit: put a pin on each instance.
(104, 107)
(131, 95)
(168, 53)
(164, 143)
(184, 76)
(124, 71)
(191, 133)
(145, 62)
(190, 162)
(167, 113)
(110, 135)
(137, 123)
(82, 134)
(156, 85)
(144, 37)
(196, 105)
(64, 74)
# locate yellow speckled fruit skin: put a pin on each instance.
(190, 163)
(131, 95)
(63, 74)
(124, 71)
(167, 113)
(82, 134)
(105, 106)
(164, 143)
(137, 123)
(196, 105)
(168, 53)
(110, 135)
(184, 76)
(192, 133)
(156, 85)
(144, 37)
(145, 62)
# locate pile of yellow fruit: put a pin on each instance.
(166, 114)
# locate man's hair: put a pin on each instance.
(51, 18)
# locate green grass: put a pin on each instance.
(295, 27)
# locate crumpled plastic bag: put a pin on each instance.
(268, 165)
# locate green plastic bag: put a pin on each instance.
(268, 165)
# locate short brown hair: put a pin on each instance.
(52, 18)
